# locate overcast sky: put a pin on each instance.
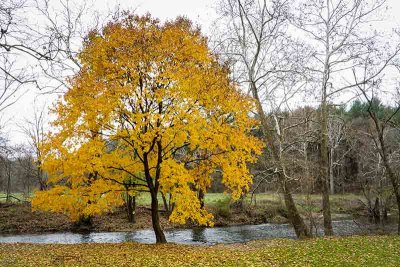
(199, 11)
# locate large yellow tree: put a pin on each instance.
(151, 105)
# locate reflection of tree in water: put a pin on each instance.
(129, 237)
(245, 235)
(141, 236)
(86, 238)
(198, 235)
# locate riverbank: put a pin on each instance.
(337, 251)
(18, 218)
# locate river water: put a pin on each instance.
(206, 236)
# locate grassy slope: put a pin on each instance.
(350, 251)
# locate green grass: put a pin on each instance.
(349, 251)
(19, 196)
(211, 198)
(144, 198)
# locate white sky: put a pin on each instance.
(200, 11)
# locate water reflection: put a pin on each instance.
(231, 234)
(198, 235)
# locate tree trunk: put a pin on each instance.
(131, 208)
(324, 172)
(293, 214)
(395, 184)
(331, 174)
(84, 224)
(166, 205)
(170, 204)
(397, 195)
(324, 161)
(306, 171)
(376, 211)
(42, 184)
(155, 219)
(8, 193)
(398, 210)
(388, 168)
(154, 188)
(201, 198)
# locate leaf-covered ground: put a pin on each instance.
(350, 251)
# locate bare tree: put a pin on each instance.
(336, 134)
(253, 40)
(7, 173)
(384, 125)
(34, 129)
(11, 82)
(341, 35)
(17, 40)
(7, 170)
(65, 24)
(25, 170)
(375, 186)
(46, 36)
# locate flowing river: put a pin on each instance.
(206, 236)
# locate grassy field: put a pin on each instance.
(144, 198)
(214, 198)
(210, 199)
(273, 203)
(349, 251)
(16, 197)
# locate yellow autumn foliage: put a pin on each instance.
(150, 99)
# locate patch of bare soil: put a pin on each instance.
(117, 221)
